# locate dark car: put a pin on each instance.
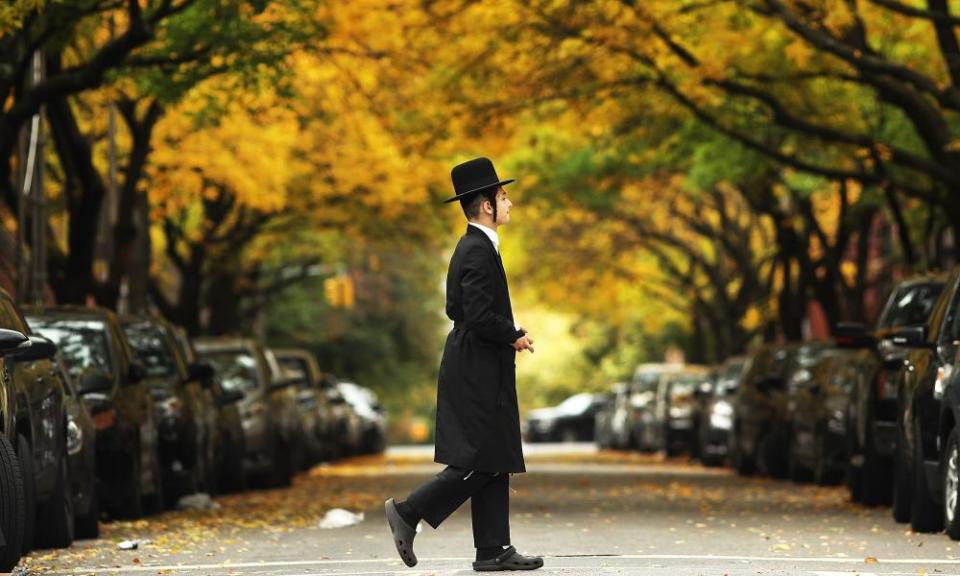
(718, 413)
(38, 419)
(314, 390)
(671, 426)
(873, 422)
(820, 406)
(373, 438)
(928, 407)
(230, 451)
(268, 410)
(309, 401)
(570, 421)
(82, 451)
(111, 382)
(761, 430)
(186, 413)
(13, 506)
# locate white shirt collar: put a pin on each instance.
(491, 233)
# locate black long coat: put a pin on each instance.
(478, 419)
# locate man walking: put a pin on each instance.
(478, 421)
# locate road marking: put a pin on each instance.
(393, 561)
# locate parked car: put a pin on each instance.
(702, 395)
(348, 425)
(638, 411)
(230, 451)
(186, 413)
(873, 422)
(366, 405)
(761, 432)
(670, 427)
(925, 464)
(271, 420)
(570, 421)
(819, 406)
(112, 384)
(718, 413)
(38, 419)
(304, 363)
(309, 399)
(12, 496)
(606, 432)
(82, 453)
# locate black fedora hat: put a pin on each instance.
(472, 177)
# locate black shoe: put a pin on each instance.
(403, 534)
(509, 560)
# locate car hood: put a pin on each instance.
(542, 414)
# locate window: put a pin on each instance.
(82, 343)
(910, 306)
(237, 369)
(151, 348)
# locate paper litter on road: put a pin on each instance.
(339, 518)
(131, 544)
(198, 501)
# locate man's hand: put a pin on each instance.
(524, 342)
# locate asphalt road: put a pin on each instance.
(586, 513)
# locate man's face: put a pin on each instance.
(503, 206)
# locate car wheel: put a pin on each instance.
(154, 503)
(12, 506)
(822, 473)
(282, 466)
(742, 462)
(951, 485)
(925, 514)
(902, 480)
(131, 505)
(25, 456)
(796, 471)
(88, 525)
(853, 475)
(233, 478)
(56, 516)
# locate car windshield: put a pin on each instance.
(576, 404)
(151, 347)
(911, 306)
(237, 369)
(685, 385)
(294, 366)
(82, 343)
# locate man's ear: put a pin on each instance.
(487, 206)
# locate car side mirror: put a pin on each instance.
(11, 340)
(35, 348)
(95, 381)
(853, 335)
(136, 373)
(202, 372)
(910, 337)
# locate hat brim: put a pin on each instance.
(463, 195)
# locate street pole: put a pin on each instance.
(31, 204)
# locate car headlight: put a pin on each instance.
(722, 408)
(679, 411)
(721, 421)
(74, 437)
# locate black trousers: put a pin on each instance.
(489, 496)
